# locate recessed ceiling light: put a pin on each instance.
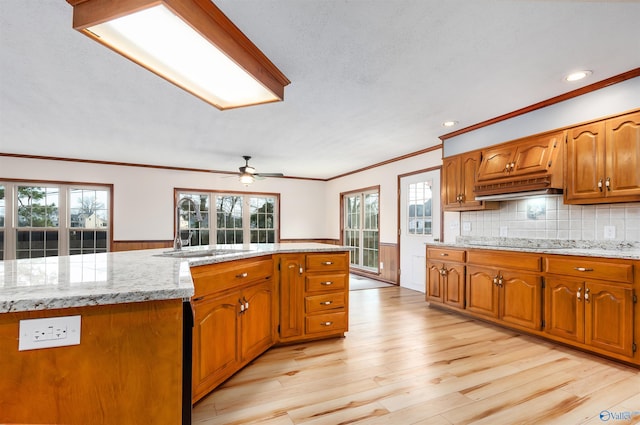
(449, 123)
(578, 75)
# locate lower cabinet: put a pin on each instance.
(445, 277)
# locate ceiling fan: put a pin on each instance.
(248, 173)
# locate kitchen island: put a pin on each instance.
(134, 309)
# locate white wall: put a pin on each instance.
(387, 177)
(143, 197)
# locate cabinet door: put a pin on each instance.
(609, 318)
(495, 163)
(533, 155)
(453, 293)
(291, 295)
(585, 162)
(564, 309)
(451, 182)
(521, 299)
(482, 293)
(623, 156)
(216, 354)
(469, 164)
(434, 282)
(257, 320)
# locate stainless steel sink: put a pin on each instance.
(191, 253)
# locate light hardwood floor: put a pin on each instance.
(405, 363)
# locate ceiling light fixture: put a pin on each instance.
(246, 179)
(190, 43)
(577, 76)
(449, 123)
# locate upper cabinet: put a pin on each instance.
(602, 161)
(459, 174)
(527, 164)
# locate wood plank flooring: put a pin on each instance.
(405, 363)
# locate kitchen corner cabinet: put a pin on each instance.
(314, 294)
(510, 290)
(602, 161)
(445, 277)
(458, 180)
(235, 319)
(591, 303)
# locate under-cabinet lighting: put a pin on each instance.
(190, 43)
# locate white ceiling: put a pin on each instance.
(371, 80)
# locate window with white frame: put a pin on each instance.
(361, 228)
(419, 218)
(239, 218)
(43, 219)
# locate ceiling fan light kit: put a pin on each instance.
(190, 43)
(248, 174)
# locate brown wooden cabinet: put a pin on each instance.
(510, 290)
(314, 294)
(445, 277)
(458, 179)
(602, 161)
(235, 319)
(583, 309)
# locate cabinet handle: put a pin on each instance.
(327, 283)
(600, 185)
(196, 299)
(242, 275)
(513, 165)
(583, 269)
(506, 168)
(608, 184)
(241, 306)
(500, 281)
(586, 295)
(246, 303)
(292, 266)
(326, 323)
(444, 254)
(301, 270)
(326, 303)
(327, 263)
(579, 294)
(495, 280)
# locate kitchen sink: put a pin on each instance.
(191, 253)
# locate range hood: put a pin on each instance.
(518, 195)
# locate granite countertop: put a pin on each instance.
(621, 250)
(119, 277)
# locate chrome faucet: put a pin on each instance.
(177, 242)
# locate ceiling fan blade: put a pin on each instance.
(269, 174)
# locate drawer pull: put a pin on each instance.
(196, 299)
(326, 323)
(242, 275)
(583, 269)
(327, 263)
(326, 303)
(579, 294)
(444, 254)
(327, 283)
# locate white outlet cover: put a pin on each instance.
(609, 232)
(466, 226)
(49, 332)
(503, 231)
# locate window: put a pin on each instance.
(361, 228)
(239, 218)
(44, 220)
(419, 212)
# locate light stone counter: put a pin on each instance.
(602, 249)
(113, 278)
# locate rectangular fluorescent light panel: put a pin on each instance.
(156, 38)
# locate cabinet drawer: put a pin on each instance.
(325, 282)
(323, 302)
(327, 262)
(445, 254)
(587, 268)
(328, 322)
(505, 259)
(217, 277)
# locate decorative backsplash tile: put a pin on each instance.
(549, 218)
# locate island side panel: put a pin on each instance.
(126, 370)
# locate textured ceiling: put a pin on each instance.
(371, 80)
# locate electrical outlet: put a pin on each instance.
(49, 332)
(466, 226)
(503, 231)
(609, 232)
(381, 265)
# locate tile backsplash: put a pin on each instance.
(549, 218)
